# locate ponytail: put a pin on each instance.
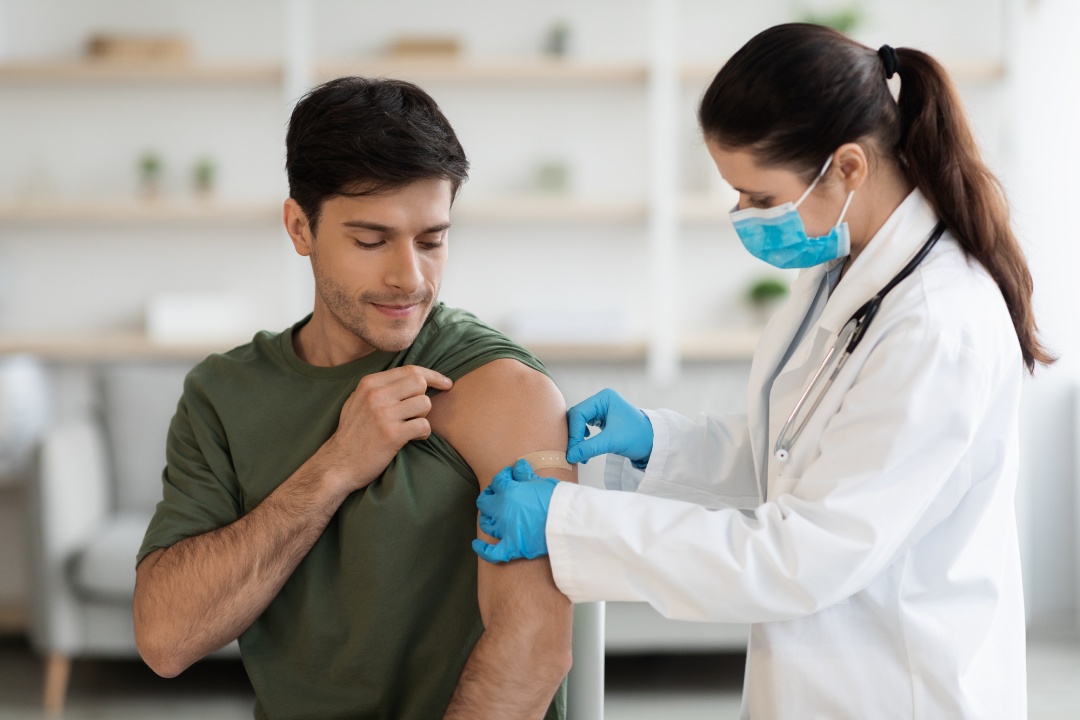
(940, 157)
(796, 92)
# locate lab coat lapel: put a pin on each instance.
(898, 240)
(775, 341)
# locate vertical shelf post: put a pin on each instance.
(299, 74)
(663, 226)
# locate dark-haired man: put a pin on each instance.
(320, 487)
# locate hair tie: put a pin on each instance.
(890, 59)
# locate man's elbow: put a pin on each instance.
(157, 643)
(158, 652)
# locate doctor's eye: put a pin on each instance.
(760, 202)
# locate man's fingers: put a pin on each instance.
(416, 429)
(414, 377)
(416, 406)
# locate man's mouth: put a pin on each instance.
(395, 310)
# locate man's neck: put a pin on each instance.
(323, 342)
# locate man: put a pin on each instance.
(320, 487)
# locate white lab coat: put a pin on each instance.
(879, 566)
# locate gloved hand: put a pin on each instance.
(514, 509)
(626, 430)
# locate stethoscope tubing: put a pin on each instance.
(860, 320)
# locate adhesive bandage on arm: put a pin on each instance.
(547, 459)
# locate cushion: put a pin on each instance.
(105, 568)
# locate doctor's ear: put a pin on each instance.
(853, 165)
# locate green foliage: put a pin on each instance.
(204, 174)
(843, 20)
(767, 290)
(150, 164)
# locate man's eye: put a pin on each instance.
(370, 245)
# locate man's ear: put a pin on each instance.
(296, 224)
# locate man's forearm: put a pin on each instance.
(517, 666)
(204, 591)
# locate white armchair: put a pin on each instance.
(98, 481)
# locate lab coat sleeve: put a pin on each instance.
(892, 464)
(705, 460)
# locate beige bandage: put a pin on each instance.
(547, 459)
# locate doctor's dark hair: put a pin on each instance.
(358, 136)
(795, 93)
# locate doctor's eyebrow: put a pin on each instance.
(378, 227)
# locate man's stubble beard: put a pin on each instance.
(346, 310)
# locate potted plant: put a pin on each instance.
(765, 295)
(150, 170)
(203, 176)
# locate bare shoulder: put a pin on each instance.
(499, 386)
(499, 412)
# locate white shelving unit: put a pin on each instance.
(659, 208)
(662, 209)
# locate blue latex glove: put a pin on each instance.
(626, 430)
(514, 509)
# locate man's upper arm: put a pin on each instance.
(493, 416)
(199, 488)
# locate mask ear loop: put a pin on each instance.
(847, 204)
(810, 189)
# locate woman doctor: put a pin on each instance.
(860, 516)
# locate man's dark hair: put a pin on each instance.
(360, 136)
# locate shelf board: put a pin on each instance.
(118, 70)
(107, 346)
(135, 211)
(491, 70)
(963, 70)
(735, 344)
(703, 208)
(548, 208)
(508, 209)
(731, 344)
(524, 69)
(694, 208)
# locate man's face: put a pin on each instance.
(378, 260)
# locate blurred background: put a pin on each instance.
(141, 183)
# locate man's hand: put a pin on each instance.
(386, 411)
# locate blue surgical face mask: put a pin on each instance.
(777, 236)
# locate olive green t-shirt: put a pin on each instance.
(378, 619)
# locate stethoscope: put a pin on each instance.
(848, 339)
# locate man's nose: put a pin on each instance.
(404, 272)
